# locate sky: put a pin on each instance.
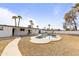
(42, 14)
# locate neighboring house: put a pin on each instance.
(8, 30)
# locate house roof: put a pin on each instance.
(7, 25)
(17, 26)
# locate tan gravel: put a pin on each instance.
(4, 42)
(67, 46)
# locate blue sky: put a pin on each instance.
(42, 13)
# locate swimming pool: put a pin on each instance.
(44, 38)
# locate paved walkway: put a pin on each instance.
(12, 48)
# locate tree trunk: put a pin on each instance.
(49, 27)
(18, 22)
(75, 25)
(15, 22)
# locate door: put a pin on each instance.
(13, 32)
(29, 32)
(39, 31)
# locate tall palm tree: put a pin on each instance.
(68, 17)
(71, 17)
(74, 17)
(19, 19)
(37, 26)
(64, 26)
(76, 5)
(31, 23)
(14, 17)
(45, 28)
(76, 8)
(70, 21)
(49, 26)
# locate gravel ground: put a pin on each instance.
(67, 46)
(4, 42)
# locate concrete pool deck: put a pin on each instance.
(12, 48)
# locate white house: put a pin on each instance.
(25, 31)
(8, 30)
(5, 30)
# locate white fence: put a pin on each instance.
(67, 32)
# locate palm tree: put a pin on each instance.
(64, 26)
(70, 21)
(71, 18)
(45, 28)
(76, 5)
(74, 18)
(15, 17)
(49, 26)
(31, 23)
(19, 19)
(76, 9)
(37, 26)
(68, 17)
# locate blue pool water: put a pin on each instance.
(51, 36)
(41, 36)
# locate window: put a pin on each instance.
(22, 29)
(1, 27)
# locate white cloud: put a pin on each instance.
(6, 16)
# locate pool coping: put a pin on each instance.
(37, 41)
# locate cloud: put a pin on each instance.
(6, 16)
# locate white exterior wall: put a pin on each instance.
(18, 32)
(67, 32)
(49, 32)
(25, 32)
(43, 31)
(34, 31)
(7, 31)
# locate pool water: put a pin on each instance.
(44, 38)
(41, 36)
(50, 37)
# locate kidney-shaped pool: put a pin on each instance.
(44, 38)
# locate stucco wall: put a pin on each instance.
(35, 31)
(43, 31)
(18, 32)
(7, 31)
(25, 32)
